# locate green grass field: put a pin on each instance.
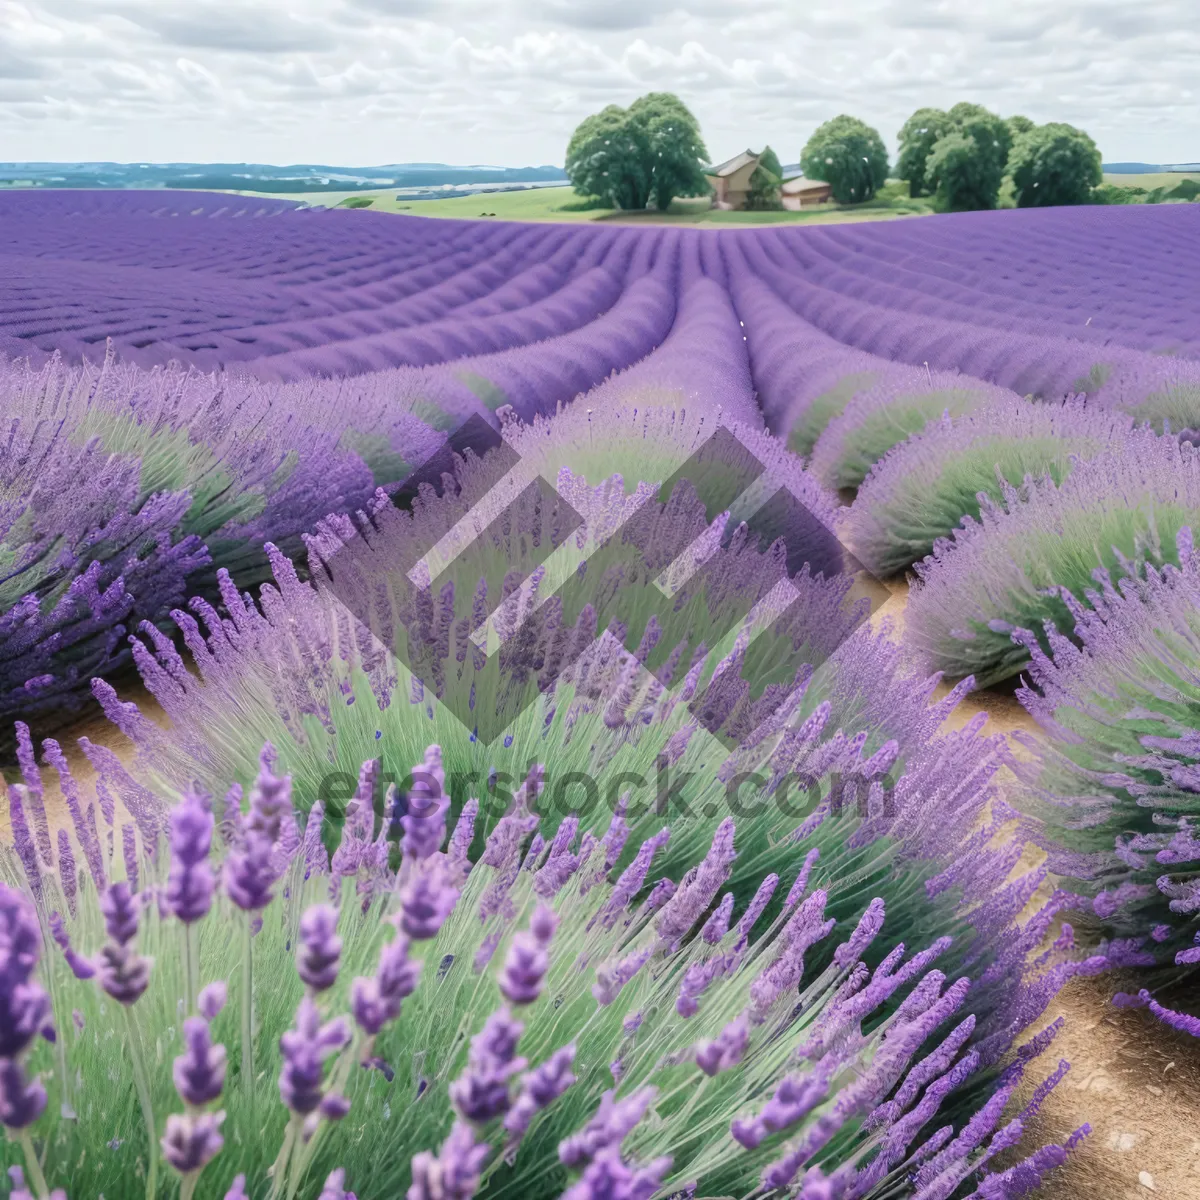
(562, 204)
(1167, 179)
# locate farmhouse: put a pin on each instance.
(731, 180)
(805, 193)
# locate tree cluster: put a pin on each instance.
(652, 152)
(648, 153)
(962, 157)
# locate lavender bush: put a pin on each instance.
(1009, 569)
(1117, 777)
(121, 489)
(927, 849)
(919, 491)
(882, 416)
(540, 1016)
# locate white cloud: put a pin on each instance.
(373, 81)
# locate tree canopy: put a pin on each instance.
(650, 151)
(1054, 164)
(1018, 125)
(850, 156)
(918, 136)
(965, 166)
(763, 193)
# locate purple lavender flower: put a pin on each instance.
(192, 1140)
(270, 800)
(24, 1005)
(20, 1192)
(211, 1000)
(305, 1047)
(612, 977)
(376, 1001)
(237, 1190)
(726, 1049)
(424, 822)
(607, 1175)
(199, 1072)
(538, 1089)
(527, 960)
(190, 882)
(119, 906)
(120, 970)
(250, 872)
(607, 1128)
(66, 870)
(425, 902)
(320, 952)
(453, 1173)
(480, 1093)
(22, 1100)
(335, 1187)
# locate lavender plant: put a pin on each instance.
(920, 490)
(542, 1020)
(1116, 779)
(1009, 569)
(882, 416)
(121, 488)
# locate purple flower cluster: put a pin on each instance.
(1117, 768)
(25, 1012)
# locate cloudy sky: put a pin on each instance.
(363, 82)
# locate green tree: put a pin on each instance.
(1054, 164)
(966, 166)
(1018, 125)
(651, 151)
(918, 136)
(850, 156)
(763, 194)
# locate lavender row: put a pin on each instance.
(125, 490)
(1094, 275)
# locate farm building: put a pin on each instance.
(731, 180)
(805, 193)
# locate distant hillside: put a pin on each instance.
(259, 177)
(1131, 168)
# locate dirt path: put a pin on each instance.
(1134, 1080)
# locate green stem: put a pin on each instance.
(141, 1079)
(187, 1185)
(35, 1167)
(279, 1168)
(248, 1013)
(189, 969)
(338, 1078)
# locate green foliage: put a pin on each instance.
(802, 437)
(965, 168)
(848, 448)
(1018, 125)
(764, 195)
(850, 156)
(651, 151)
(1188, 190)
(1054, 164)
(1114, 193)
(357, 202)
(769, 161)
(918, 136)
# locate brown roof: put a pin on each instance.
(733, 165)
(795, 187)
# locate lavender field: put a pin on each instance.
(290, 499)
